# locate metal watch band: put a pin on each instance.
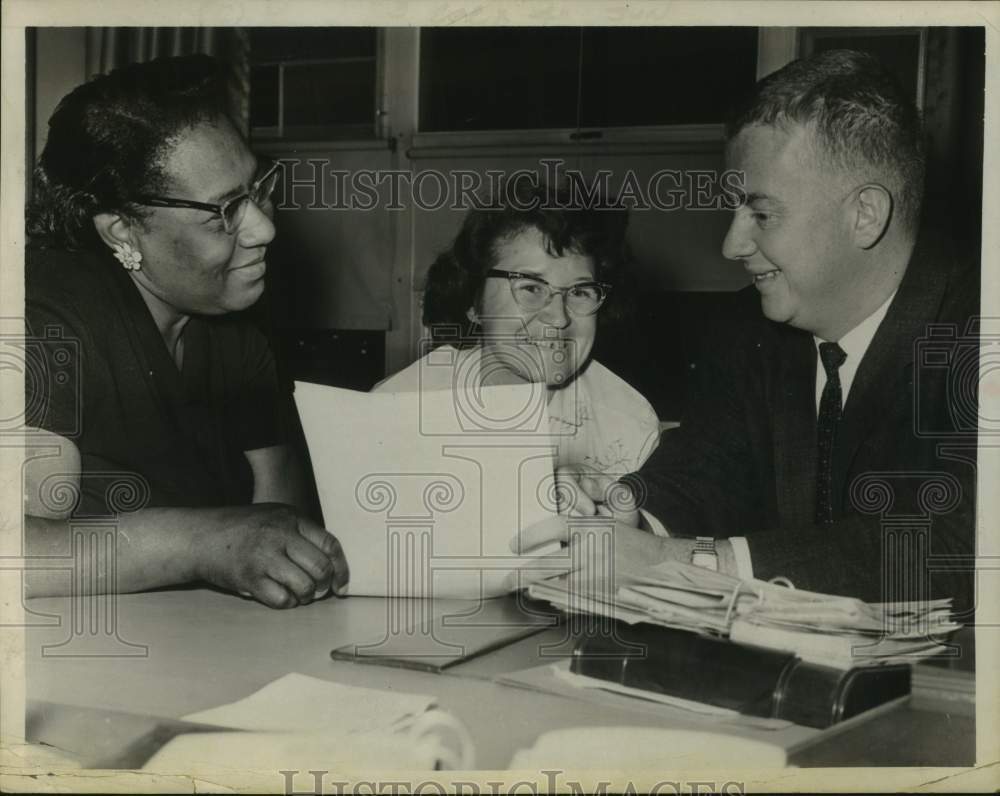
(704, 554)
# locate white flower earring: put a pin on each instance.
(127, 256)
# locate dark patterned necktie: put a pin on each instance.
(830, 410)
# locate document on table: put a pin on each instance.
(425, 490)
(303, 722)
(297, 703)
(625, 748)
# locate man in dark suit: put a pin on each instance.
(831, 432)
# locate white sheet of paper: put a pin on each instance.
(300, 722)
(644, 748)
(237, 755)
(299, 703)
(563, 674)
(425, 490)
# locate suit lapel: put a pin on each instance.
(794, 418)
(887, 364)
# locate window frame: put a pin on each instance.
(273, 134)
(590, 138)
(397, 113)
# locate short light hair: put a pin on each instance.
(862, 120)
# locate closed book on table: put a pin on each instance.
(752, 680)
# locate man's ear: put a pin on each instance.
(114, 229)
(873, 210)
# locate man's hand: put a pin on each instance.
(584, 492)
(596, 546)
(269, 552)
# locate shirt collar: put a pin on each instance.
(855, 342)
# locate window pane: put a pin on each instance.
(656, 75)
(301, 44)
(329, 94)
(325, 76)
(264, 96)
(498, 78)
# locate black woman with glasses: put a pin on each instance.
(156, 400)
(519, 298)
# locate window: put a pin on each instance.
(535, 78)
(311, 83)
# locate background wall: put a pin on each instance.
(344, 285)
(57, 63)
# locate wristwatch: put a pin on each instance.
(704, 554)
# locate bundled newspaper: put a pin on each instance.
(822, 628)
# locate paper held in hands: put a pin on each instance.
(831, 630)
(425, 490)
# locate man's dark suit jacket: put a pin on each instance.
(743, 462)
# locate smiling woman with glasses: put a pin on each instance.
(150, 229)
(232, 211)
(518, 298)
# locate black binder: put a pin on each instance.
(752, 680)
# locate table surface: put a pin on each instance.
(170, 653)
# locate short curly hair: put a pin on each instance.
(568, 225)
(108, 139)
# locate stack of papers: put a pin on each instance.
(821, 628)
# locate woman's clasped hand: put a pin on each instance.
(269, 552)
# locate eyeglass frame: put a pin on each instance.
(218, 209)
(510, 276)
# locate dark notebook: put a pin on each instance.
(751, 680)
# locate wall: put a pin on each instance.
(59, 64)
(345, 285)
(362, 271)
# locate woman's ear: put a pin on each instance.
(114, 230)
(873, 210)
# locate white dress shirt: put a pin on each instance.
(855, 344)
